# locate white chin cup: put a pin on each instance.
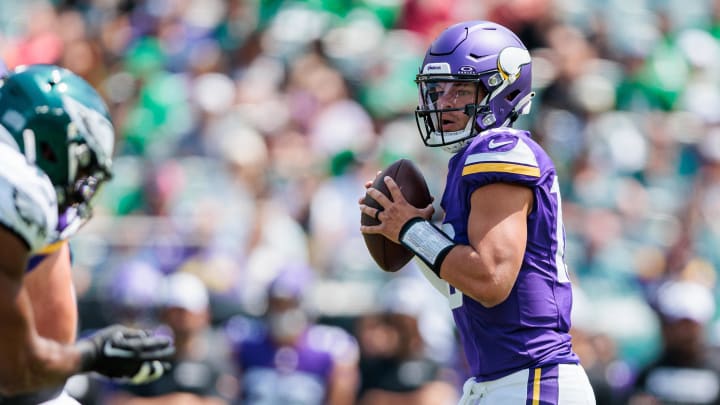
(455, 147)
(453, 140)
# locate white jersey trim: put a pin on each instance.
(520, 154)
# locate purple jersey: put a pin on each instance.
(298, 374)
(530, 328)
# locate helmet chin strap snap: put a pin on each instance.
(487, 119)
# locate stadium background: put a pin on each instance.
(247, 128)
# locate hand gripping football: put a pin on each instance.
(389, 255)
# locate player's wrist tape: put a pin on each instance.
(427, 242)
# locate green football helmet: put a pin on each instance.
(62, 125)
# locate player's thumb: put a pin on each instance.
(428, 211)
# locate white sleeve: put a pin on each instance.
(28, 203)
(441, 285)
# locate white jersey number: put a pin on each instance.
(562, 269)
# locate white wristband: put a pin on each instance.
(427, 242)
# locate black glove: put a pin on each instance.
(130, 355)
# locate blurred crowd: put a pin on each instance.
(247, 128)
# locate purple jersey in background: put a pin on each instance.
(530, 328)
(3, 68)
(297, 374)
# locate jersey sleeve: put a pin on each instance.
(503, 156)
(28, 205)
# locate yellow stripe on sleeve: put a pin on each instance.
(51, 248)
(501, 167)
(536, 387)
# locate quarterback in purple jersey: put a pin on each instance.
(499, 257)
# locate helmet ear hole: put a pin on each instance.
(512, 95)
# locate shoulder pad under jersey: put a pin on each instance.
(28, 203)
(503, 155)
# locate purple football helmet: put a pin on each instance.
(291, 282)
(475, 76)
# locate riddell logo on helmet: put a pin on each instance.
(466, 70)
(441, 67)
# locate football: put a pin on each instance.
(389, 255)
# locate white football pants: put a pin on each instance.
(559, 384)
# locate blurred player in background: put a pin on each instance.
(398, 363)
(687, 369)
(198, 366)
(56, 143)
(288, 359)
(500, 255)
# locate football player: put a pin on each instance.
(500, 254)
(287, 358)
(56, 143)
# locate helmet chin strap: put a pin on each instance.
(456, 146)
(471, 110)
